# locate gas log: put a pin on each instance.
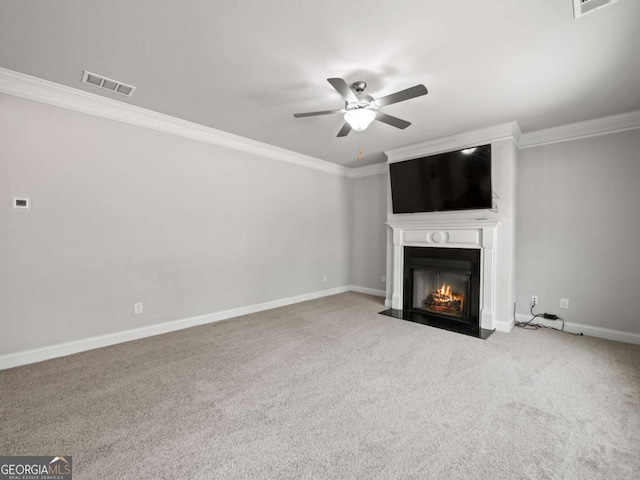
(444, 300)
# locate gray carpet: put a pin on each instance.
(329, 389)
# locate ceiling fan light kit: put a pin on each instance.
(359, 118)
(361, 109)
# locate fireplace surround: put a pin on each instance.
(463, 247)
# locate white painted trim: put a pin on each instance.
(504, 327)
(578, 130)
(600, 332)
(445, 224)
(368, 291)
(46, 353)
(32, 88)
(459, 141)
(369, 170)
(470, 234)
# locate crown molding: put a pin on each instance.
(504, 131)
(589, 128)
(32, 88)
(369, 170)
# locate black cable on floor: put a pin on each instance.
(535, 326)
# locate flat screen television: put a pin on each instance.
(458, 180)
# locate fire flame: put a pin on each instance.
(445, 291)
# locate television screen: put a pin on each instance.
(458, 180)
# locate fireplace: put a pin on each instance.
(446, 274)
(443, 285)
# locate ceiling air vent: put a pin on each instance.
(108, 84)
(582, 7)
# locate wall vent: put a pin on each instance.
(108, 84)
(582, 7)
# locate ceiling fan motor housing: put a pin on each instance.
(358, 86)
(364, 100)
(361, 103)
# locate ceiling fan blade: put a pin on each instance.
(344, 131)
(313, 114)
(343, 89)
(391, 120)
(402, 95)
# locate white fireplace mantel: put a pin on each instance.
(477, 234)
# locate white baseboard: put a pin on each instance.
(368, 291)
(46, 353)
(606, 333)
(504, 326)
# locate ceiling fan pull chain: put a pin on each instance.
(360, 155)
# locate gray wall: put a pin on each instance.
(123, 214)
(578, 230)
(368, 231)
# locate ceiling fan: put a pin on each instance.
(361, 109)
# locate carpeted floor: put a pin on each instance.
(330, 389)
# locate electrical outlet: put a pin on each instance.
(22, 203)
(564, 303)
(324, 278)
(384, 278)
(534, 300)
(138, 308)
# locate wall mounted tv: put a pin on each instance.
(458, 180)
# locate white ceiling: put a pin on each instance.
(246, 66)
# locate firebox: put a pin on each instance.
(443, 284)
